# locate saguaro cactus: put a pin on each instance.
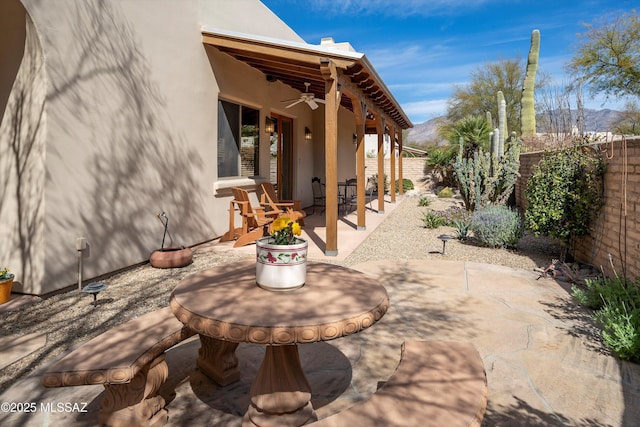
(528, 114)
(502, 122)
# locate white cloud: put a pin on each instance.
(421, 111)
(391, 7)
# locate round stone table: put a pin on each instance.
(225, 307)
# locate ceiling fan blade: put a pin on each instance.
(294, 103)
(290, 100)
(319, 100)
(312, 104)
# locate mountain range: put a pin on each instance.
(426, 133)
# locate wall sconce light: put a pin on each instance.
(355, 139)
(268, 125)
(307, 134)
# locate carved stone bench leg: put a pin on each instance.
(217, 359)
(137, 403)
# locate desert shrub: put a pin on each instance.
(616, 302)
(374, 182)
(424, 201)
(485, 178)
(440, 163)
(407, 184)
(621, 330)
(496, 226)
(462, 229)
(455, 213)
(445, 193)
(432, 219)
(564, 193)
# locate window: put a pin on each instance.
(238, 140)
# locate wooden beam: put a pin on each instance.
(330, 74)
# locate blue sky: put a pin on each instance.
(422, 48)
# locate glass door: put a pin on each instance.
(281, 173)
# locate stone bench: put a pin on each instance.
(129, 360)
(436, 384)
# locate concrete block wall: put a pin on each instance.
(617, 228)
(412, 168)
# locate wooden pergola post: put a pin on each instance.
(392, 161)
(360, 112)
(380, 128)
(401, 190)
(330, 74)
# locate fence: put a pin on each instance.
(617, 228)
(412, 168)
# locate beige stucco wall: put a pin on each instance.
(23, 131)
(128, 128)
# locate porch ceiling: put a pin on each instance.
(295, 63)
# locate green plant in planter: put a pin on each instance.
(4, 274)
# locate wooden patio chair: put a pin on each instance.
(269, 200)
(254, 219)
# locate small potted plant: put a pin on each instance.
(171, 256)
(281, 257)
(6, 281)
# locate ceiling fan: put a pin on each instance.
(307, 97)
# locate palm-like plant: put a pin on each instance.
(474, 132)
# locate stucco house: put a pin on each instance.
(115, 110)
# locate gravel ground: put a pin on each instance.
(69, 319)
(403, 236)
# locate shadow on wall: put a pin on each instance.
(112, 141)
(21, 163)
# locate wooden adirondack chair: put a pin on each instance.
(269, 199)
(254, 219)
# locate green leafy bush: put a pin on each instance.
(407, 184)
(617, 305)
(621, 330)
(432, 219)
(496, 226)
(564, 193)
(445, 193)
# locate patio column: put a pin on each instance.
(330, 74)
(360, 112)
(380, 127)
(401, 190)
(392, 161)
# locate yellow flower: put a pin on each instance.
(280, 223)
(296, 229)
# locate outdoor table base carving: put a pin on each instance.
(287, 398)
(225, 307)
(217, 360)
